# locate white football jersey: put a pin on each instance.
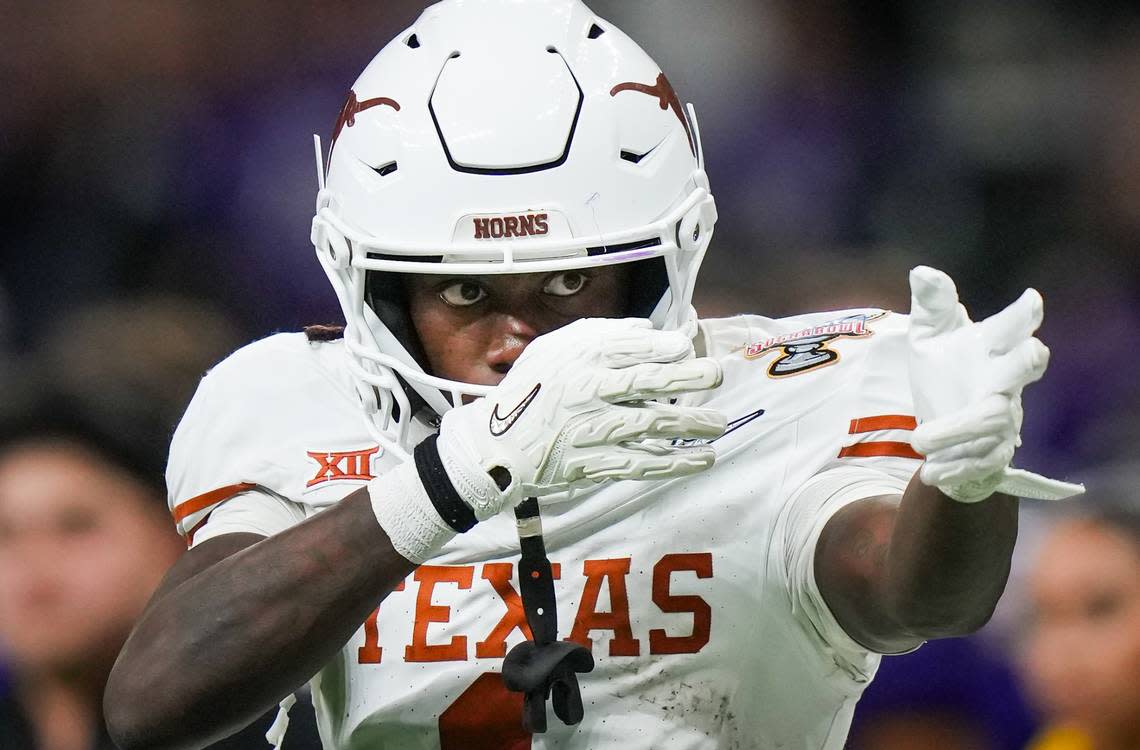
(696, 595)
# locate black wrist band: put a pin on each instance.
(450, 506)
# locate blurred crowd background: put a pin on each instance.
(157, 184)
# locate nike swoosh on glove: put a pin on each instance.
(966, 379)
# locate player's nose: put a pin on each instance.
(511, 336)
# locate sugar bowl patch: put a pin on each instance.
(807, 349)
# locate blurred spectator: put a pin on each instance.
(85, 535)
(84, 540)
(1082, 660)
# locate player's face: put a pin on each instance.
(473, 328)
(82, 547)
(1084, 653)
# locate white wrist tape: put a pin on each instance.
(406, 514)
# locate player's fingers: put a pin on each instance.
(648, 421)
(1019, 367)
(938, 471)
(1006, 329)
(991, 416)
(934, 307)
(586, 338)
(655, 380)
(589, 325)
(642, 462)
(631, 347)
(1018, 418)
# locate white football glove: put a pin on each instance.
(575, 409)
(966, 379)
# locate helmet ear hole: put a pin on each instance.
(690, 231)
(337, 250)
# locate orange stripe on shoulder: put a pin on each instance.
(882, 422)
(190, 534)
(205, 500)
(880, 448)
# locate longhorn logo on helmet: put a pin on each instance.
(666, 97)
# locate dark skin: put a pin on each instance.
(897, 571)
(242, 620)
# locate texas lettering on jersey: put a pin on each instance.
(496, 578)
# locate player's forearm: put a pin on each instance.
(225, 645)
(948, 561)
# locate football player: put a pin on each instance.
(513, 215)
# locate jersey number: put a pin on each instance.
(486, 716)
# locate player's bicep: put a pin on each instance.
(851, 569)
(826, 501)
(202, 557)
(230, 527)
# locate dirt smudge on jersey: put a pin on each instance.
(703, 706)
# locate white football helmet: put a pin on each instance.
(502, 136)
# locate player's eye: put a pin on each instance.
(463, 293)
(566, 284)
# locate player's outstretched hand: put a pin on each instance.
(576, 408)
(966, 379)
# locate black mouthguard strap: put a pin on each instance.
(536, 576)
(545, 667)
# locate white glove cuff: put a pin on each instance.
(1021, 483)
(406, 514)
(1013, 482)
